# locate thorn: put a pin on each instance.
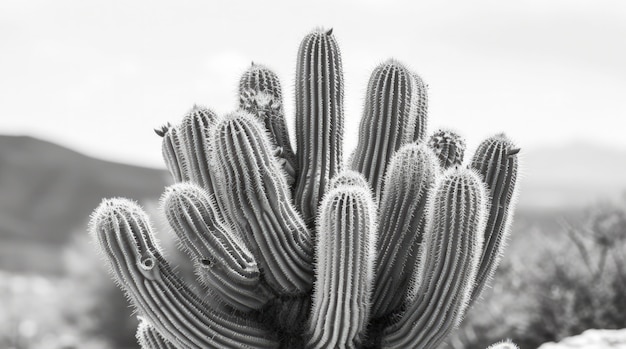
(252, 63)
(513, 152)
(329, 32)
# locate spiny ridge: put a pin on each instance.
(410, 177)
(221, 259)
(319, 119)
(390, 120)
(496, 161)
(448, 260)
(260, 203)
(345, 250)
(125, 238)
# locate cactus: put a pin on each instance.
(447, 262)
(496, 161)
(390, 119)
(124, 234)
(260, 94)
(345, 258)
(293, 251)
(222, 261)
(409, 180)
(319, 119)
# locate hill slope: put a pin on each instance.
(47, 192)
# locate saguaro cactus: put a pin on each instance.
(391, 258)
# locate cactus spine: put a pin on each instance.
(448, 263)
(391, 258)
(390, 119)
(345, 248)
(496, 161)
(319, 119)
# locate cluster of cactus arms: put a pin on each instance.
(297, 249)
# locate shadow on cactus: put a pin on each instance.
(296, 249)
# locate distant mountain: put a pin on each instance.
(47, 192)
(570, 176)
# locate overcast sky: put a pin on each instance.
(98, 76)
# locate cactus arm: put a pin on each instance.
(345, 248)
(196, 128)
(260, 94)
(389, 121)
(260, 202)
(449, 259)
(410, 177)
(125, 238)
(319, 119)
(421, 93)
(496, 161)
(174, 153)
(222, 261)
(448, 146)
(149, 338)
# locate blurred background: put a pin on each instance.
(83, 85)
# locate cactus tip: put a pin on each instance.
(163, 130)
(330, 31)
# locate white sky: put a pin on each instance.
(98, 76)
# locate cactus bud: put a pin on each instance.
(449, 148)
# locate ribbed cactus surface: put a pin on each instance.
(319, 119)
(410, 178)
(123, 232)
(496, 161)
(292, 250)
(345, 251)
(390, 119)
(448, 263)
(260, 94)
(255, 186)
